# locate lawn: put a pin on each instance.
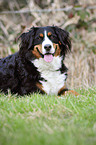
(48, 120)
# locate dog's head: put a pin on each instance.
(45, 42)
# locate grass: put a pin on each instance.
(48, 120)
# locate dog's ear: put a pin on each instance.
(64, 40)
(27, 39)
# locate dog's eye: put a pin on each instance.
(51, 37)
(39, 38)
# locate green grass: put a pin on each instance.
(48, 120)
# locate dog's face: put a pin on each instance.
(46, 42)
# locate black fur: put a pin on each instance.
(18, 73)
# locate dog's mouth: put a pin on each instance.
(48, 57)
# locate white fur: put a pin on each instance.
(47, 41)
(55, 80)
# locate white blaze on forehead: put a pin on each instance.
(47, 41)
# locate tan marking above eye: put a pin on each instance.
(41, 35)
(49, 33)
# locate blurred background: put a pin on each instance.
(78, 17)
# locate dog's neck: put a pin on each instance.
(42, 65)
(51, 72)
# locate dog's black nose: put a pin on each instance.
(47, 47)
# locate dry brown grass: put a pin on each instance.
(82, 61)
(82, 70)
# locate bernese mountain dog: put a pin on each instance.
(38, 66)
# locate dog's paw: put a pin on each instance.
(71, 92)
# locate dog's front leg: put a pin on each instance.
(64, 91)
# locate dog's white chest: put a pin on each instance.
(54, 80)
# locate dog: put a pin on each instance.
(38, 66)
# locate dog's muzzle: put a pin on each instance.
(48, 57)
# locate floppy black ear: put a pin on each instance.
(64, 39)
(27, 39)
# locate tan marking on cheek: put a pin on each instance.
(58, 50)
(39, 47)
(49, 33)
(35, 52)
(40, 87)
(41, 35)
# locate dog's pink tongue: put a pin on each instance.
(48, 58)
